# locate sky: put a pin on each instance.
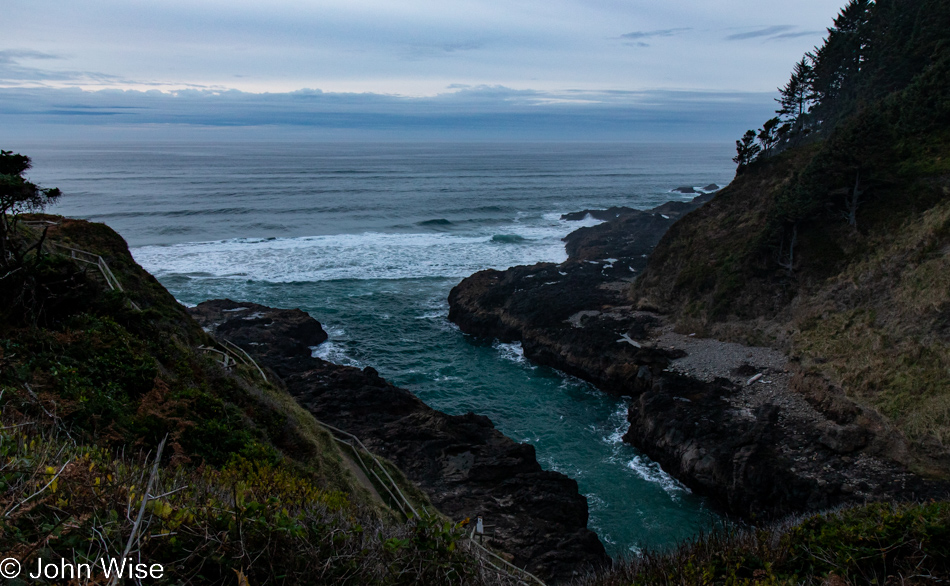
(553, 69)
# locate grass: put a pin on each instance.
(250, 487)
(75, 502)
(880, 327)
(878, 544)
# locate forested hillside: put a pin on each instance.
(833, 241)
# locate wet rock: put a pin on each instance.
(785, 444)
(700, 441)
(465, 466)
(290, 332)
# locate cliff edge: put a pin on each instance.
(785, 344)
(464, 465)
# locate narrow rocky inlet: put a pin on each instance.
(743, 425)
(465, 466)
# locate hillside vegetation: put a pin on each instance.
(105, 397)
(833, 241)
(880, 544)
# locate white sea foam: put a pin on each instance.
(432, 315)
(332, 350)
(641, 466)
(651, 472)
(510, 351)
(442, 379)
(586, 222)
(618, 425)
(355, 256)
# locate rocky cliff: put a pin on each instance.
(785, 345)
(465, 466)
(746, 425)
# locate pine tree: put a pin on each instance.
(840, 59)
(798, 93)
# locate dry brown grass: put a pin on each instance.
(879, 329)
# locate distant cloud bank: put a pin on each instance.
(468, 113)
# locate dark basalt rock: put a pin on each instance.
(289, 332)
(691, 434)
(761, 463)
(543, 305)
(627, 234)
(755, 455)
(466, 466)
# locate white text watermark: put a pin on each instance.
(63, 569)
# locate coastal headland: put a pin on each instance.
(746, 425)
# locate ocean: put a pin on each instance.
(370, 238)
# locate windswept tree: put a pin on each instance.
(770, 134)
(34, 287)
(746, 150)
(17, 196)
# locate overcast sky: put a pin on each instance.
(410, 62)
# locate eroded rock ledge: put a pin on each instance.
(785, 442)
(466, 466)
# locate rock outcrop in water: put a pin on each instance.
(463, 463)
(743, 425)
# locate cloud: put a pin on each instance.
(416, 52)
(771, 31)
(637, 35)
(636, 38)
(13, 71)
(796, 35)
(13, 56)
(415, 47)
(468, 46)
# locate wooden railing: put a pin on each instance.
(39, 223)
(244, 357)
(507, 567)
(231, 354)
(225, 357)
(100, 263)
(485, 555)
(388, 484)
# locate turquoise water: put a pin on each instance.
(369, 239)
